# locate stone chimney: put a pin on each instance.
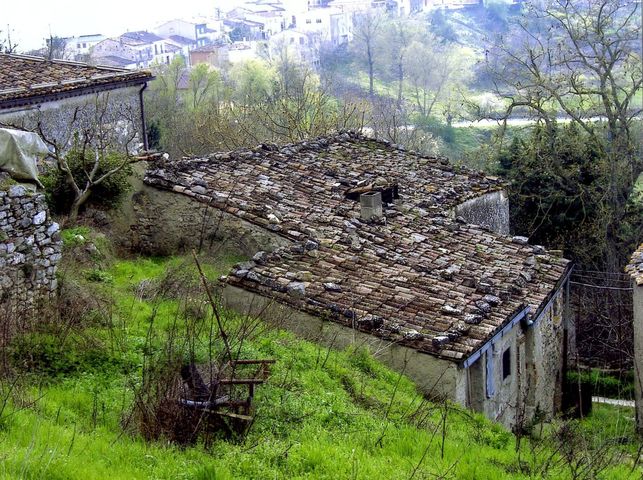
(371, 205)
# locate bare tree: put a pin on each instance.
(6, 44)
(367, 26)
(90, 140)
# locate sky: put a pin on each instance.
(31, 21)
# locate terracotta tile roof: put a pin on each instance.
(25, 80)
(635, 267)
(419, 277)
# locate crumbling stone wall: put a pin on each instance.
(635, 269)
(164, 223)
(30, 249)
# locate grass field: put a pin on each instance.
(323, 414)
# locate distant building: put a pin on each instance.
(201, 31)
(239, 52)
(78, 48)
(184, 45)
(213, 55)
(333, 25)
(298, 46)
(141, 49)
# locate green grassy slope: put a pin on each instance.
(323, 414)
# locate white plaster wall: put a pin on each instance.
(490, 210)
(59, 120)
(437, 378)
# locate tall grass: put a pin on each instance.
(323, 414)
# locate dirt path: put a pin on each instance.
(614, 401)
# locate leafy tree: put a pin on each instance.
(581, 60)
(557, 183)
(106, 193)
(433, 70)
(205, 86)
(102, 129)
(441, 27)
(252, 81)
(394, 40)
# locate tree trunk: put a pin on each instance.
(79, 201)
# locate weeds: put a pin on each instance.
(320, 416)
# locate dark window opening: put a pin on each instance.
(388, 193)
(506, 363)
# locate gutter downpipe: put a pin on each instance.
(143, 125)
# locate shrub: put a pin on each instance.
(606, 385)
(48, 354)
(107, 194)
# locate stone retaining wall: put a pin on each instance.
(30, 249)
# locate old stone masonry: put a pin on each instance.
(30, 249)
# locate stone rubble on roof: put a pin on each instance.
(417, 276)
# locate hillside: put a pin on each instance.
(65, 413)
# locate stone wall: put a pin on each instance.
(159, 222)
(490, 210)
(114, 116)
(635, 269)
(30, 249)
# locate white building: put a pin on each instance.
(78, 47)
(141, 48)
(202, 30)
(332, 25)
(300, 47)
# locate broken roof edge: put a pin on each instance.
(311, 307)
(349, 317)
(356, 136)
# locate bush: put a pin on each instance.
(48, 354)
(605, 384)
(108, 194)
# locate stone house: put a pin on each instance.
(34, 89)
(200, 31)
(215, 55)
(355, 240)
(635, 269)
(143, 48)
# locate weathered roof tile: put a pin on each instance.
(437, 284)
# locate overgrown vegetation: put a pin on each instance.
(558, 184)
(68, 396)
(106, 194)
(606, 384)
